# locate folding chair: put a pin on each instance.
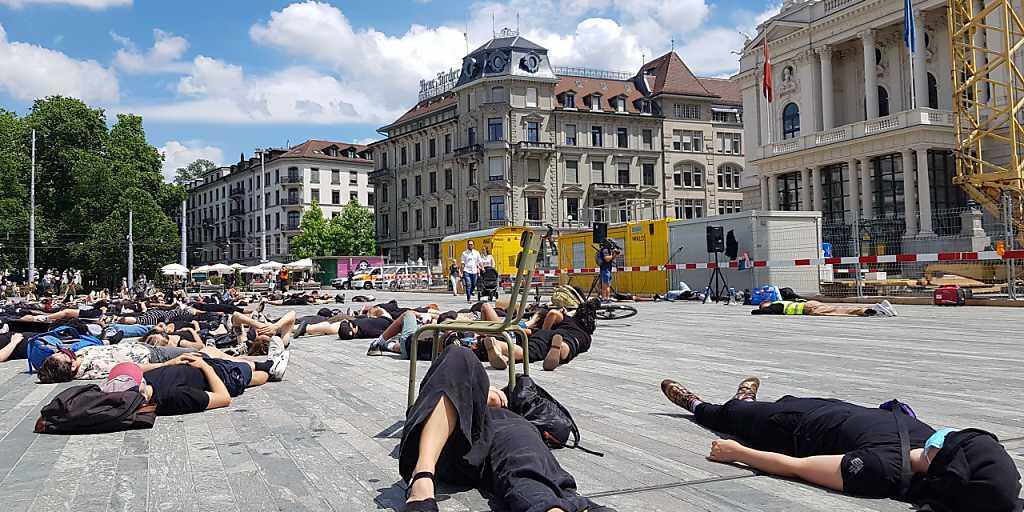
(506, 328)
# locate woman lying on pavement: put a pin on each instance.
(857, 450)
(96, 362)
(815, 308)
(558, 341)
(459, 431)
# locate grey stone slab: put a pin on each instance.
(326, 437)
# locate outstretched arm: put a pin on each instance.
(823, 470)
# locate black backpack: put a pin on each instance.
(554, 422)
(90, 410)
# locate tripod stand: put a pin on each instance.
(720, 288)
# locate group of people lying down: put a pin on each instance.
(460, 430)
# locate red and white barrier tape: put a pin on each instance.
(850, 260)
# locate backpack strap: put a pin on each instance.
(906, 475)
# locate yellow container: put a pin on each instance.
(504, 244)
(643, 243)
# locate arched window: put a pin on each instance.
(933, 92)
(790, 121)
(883, 102)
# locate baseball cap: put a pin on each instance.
(123, 377)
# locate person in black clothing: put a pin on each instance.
(559, 340)
(13, 345)
(459, 431)
(194, 382)
(857, 450)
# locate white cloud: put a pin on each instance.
(88, 4)
(35, 72)
(177, 154)
(163, 57)
(365, 141)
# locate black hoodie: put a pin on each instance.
(971, 473)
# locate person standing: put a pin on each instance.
(453, 277)
(470, 269)
(605, 261)
(486, 261)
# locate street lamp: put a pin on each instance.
(263, 206)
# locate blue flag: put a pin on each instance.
(909, 30)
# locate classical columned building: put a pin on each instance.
(858, 128)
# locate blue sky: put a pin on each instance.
(217, 78)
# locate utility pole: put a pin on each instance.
(184, 251)
(131, 254)
(32, 217)
(263, 208)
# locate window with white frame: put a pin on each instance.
(688, 140)
(620, 104)
(572, 171)
(729, 177)
(597, 172)
(647, 139)
(688, 175)
(693, 208)
(569, 100)
(495, 168)
(727, 206)
(686, 111)
(729, 143)
(531, 97)
(570, 135)
(595, 102)
(647, 174)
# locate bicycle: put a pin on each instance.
(610, 311)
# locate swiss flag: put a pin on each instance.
(766, 77)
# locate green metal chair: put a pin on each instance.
(506, 328)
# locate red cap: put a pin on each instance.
(128, 369)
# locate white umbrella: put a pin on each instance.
(254, 270)
(221, 268)
(237, 266)
(303, 264)
(204, 268)
(174, 269)
(271, 265)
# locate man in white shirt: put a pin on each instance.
(470, 269)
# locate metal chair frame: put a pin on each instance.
(506, 328)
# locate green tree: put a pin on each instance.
(352, 232)
(313, 241)
(14, 201)
(193, 170)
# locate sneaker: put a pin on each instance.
(374, 350)
(679, 395)
(747, 389)
(276, 347)
(884, 308)
(280, 365)
(261, 306)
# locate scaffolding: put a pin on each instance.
(987, 41)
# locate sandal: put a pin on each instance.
(427, 505)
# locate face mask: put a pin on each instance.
(937, 440)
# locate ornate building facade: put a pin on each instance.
(510, 139)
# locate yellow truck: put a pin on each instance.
(503, 243)
(643, 243)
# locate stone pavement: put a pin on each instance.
(326, 438)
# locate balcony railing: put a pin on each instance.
(236, 211)
(290, 179)
(291, 201)
(535, 146)
(236, 191)
(292, 226)
(860, 129)
(236, 235)
(468, 150)
(613, 188)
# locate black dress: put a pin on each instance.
(494, 450)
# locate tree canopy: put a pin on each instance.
(348, 234)
(87, 178)
(193, 171)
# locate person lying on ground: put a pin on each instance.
(95, 362)
(815, 308)
(13, 345)
(856, 450)
(301, 300)
(259, 334)
(397, 337)
(184, 338)
(459, 431)
(559, 340)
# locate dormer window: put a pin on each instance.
(569, 100)
(645, 106)
(595, 102)
(620, 104)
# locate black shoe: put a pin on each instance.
(301, 330)
(427, 505)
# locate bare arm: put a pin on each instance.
(823, 470)
(219, 396)
(5, 353)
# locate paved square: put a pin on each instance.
(326, 438)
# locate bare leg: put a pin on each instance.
(558, 352)
(496, 353)
(322, 328)
(434, 435)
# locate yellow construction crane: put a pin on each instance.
(988, 98)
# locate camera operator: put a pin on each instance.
(605, 261)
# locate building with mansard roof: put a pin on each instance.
(511, 139)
